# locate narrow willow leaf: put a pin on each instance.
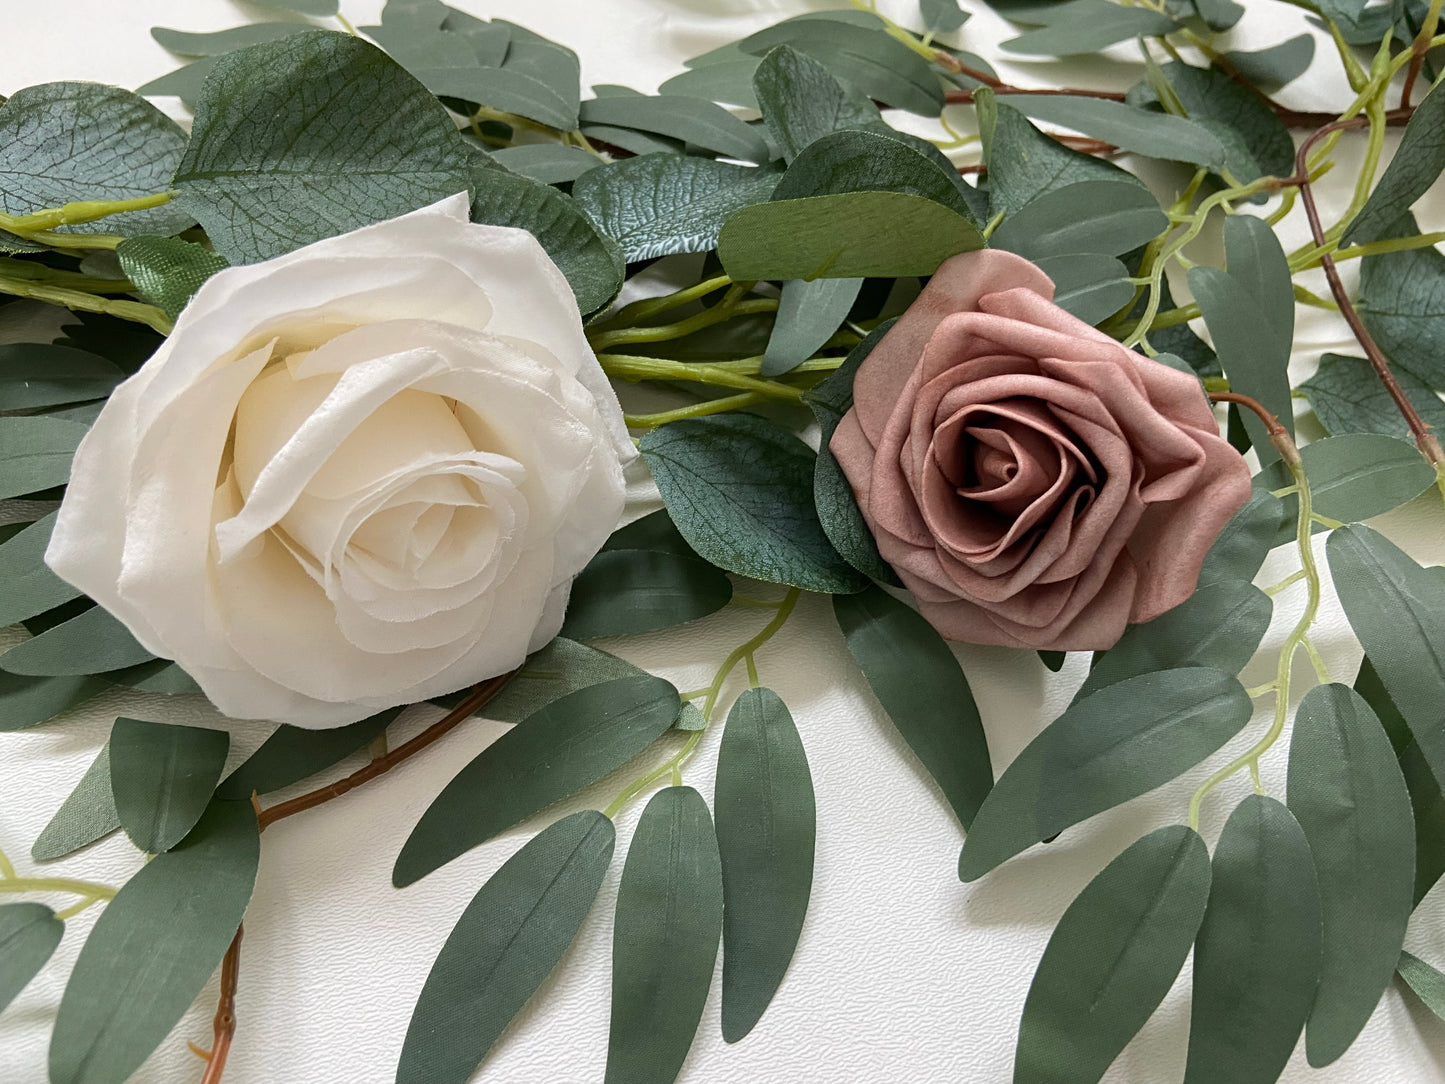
(801, 102)
(1417, 163)
(1359, 475)
(35, 453)
(1348, 397)
(1257, 262)
(550, 163)
(29, 701)
(1346, 790)
(837, 237)
(1257, 957)
(309, 7)
(1219, 626)
(153, 949)
(1427, 983)
(89, 643)
(740, 489)
(157, 676)
(625, 592)
(308, 137)
(692, 120)
(34, 375)
(1091, 286)
(766, 828)
(184, 83)
(88, 814)
(1112, 958)
(166, 270)
(917, 679)
(808, 314)
(1240, 550)
(659, 205)
(30, 588)
(505, 944)
(221, 42)
(1277, 65)
(665, 940)
(1106, 217)
(1086, 26)
(162, 776)
(293, 753)
(1141, 131)
(29, 933)
(555, 752)
(730, 82)
(1119, 743)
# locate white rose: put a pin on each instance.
(358, 475)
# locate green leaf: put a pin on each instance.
(30, 588)
(654, 531)
(29, 933)
(941, 16)
(665, 940)
(1359, 475)
(837, 237)
(808, 314)
(1402, 301)
(34, 375)
(1346, 790)
(311, 136)
(61, 142)
(163, 776)
(153, 949)
(1158, 135)
(551, 754)
(1112, 958)
(659, 205)
(1426, 982)
(1091, 286)
(1053, 660)
(1107, 217)
(87, 814)
(1119, 743)
(921, 686)
(1277, 65)
(308, 7)
(505, 944)
(293, 753)
(1086, 26)
(740, 489)
(692, 120)
(1416, 165)
(29, 701)
(90, 643)
(1219, 626)
(766, 828)
(1256, 960)
(184, 83)
(1256, 141)
(35, 453)
(801, 102)
(626, 592)
(550, 163)
(1219, 14)
(1240, 550)
(221, 42)
(730, 82)
(592, 262)
(843, 523)
(156, 676)
(166, 270)
(1348, 397)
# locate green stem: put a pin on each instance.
(650, 307)
(633, 368)
(134, 311)
(699, 410)
(29, 271)
(79, 212)
(57, 884)
(730, 306)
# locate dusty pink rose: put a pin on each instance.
(1034, 483)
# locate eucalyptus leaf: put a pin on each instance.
(167, 271)
(1104, 217)
(92, 642)
(654, 531)
(163, 776)
(29, 701)
(1112, 958)
(1086, 26)
(766, 829)
(1157, 135)
(505, 944)
(35, 375)
(1348, 397)
(87, 814)
(730, 82)
(293, 753)
(221, 42)
(29, 933)
(1257, 957)
(550, 163)
(153, 949)
(1359, 475)
(1256, 141)
(30, 588)
(1119, 743)
(1219, 14)
(1089, 285)
(309, 7)
(801, 101)
(808, 315)
(35, 453)
(1427, 983)
(156, 676)
(184, 83)
(554, 752)
(1276, 65)
(1239, 551)
(692, 120)
(942, 16)
(917, 679)
(626, 592)
(1417, 163)
(665, 938)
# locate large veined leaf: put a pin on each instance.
(740, 489)
(312, 136)
(801, 101)
(1108, 217)
(29, 933)
(1402, 301)
(30, 588)
(92, 642)
(153, 948)
(1158, 135)
(34, 375)
(551, 754)
(766, 827)
(35, 453)
(665, 940)
(162, 776)
(86, 815)
(1121, 742)
(294, 753)
(1256, 960)
(505, 944)
(1112, 958)
(1347, 792)
(1414, 168)
(625, 592)
(1348, 397)
(921, 686)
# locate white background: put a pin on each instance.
(903, 974)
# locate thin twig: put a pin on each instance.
(224, 1025)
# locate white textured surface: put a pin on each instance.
(903, 974)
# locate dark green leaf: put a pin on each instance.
(554, 752)
(1257, 957)
(1347, 792)
(808, 314)
(1112, 958)
(29, 933)
(1402, 301)
(293, 753)
(90, 643)
(625, 592)
(692, 120)
(166, 270)
(221, 42)
(162, 776)
(88, 814)
(309, 7)
(1107, 217)
(1416, 165)
(917, 679)
(153, 949)
(766, 828)
(311, 136)
(29, 701)
(1142, 131)
(550, 163)
(654, 531)
(36, 375)
(1091, 286)
(942, 16)
(1240, 550)
(184, 83)
(1348, 397)
(1052, 660)
(1277, 65)
(1086, 26)
(505, 944)
(659, 205)
(740, 489)
(1219, 14)
(801, 102)
(61, 142)
(665, 941)
(1426, 982)
(157, 676)
(730, 82)
(1119, 743)
(35, 453)
(30, 588)
(1256, 141)
(1359, 475)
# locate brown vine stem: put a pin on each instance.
(224, 1025)
(1418, 49)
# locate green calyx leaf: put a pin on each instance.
(167, 271)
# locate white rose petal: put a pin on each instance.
(358, 475)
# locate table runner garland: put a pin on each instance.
(322, 308)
